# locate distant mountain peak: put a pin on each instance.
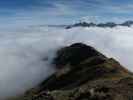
(127, 23)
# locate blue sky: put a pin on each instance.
(34, 12)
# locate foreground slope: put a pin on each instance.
(83, 74)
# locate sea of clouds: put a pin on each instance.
(26, 54)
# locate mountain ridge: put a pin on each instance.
(83, 74)
(127, 23)
(102, 25)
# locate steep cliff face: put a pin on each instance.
(84, 74)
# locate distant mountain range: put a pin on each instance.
(104, 25)
(86, 24)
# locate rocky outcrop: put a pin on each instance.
(75, 54)
(84, 74)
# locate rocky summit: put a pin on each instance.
(83, 73)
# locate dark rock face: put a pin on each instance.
(75, 54)
(84, 74)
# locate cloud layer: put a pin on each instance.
(25, 54)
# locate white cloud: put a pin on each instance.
(22, 52)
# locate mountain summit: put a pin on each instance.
(83, 73)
